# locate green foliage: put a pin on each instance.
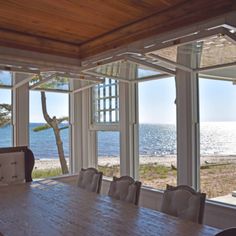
(149, 171)
(45, 127)
(110, 171)
(40, 128)
(5, 114)
(56, 81)
(60, 120)
(158, 170)
(65, 127)
(46, 173)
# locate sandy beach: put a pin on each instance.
(158, 160)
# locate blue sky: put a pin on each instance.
(217, 100)
(156, 102)
(57, 105)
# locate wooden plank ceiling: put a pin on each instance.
(81, 28)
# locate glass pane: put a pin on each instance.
(113, 116)
(217, 50)
(103, 104)
(45, 142)
(157, 133)
(107, 92)
(110, 69)
(113, 103)
(35, 80)
(59, 83)
(107, 102)
(218, 139)
(214, 50)
(228, 73)
(144, 72)
(6, 130)
(113, 90)
(101, 92)
(108, 149)
(5, 78)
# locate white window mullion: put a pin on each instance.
(21, 111)
(75, 108)
(187, 120)
(128, 123)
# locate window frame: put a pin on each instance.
(104, 126)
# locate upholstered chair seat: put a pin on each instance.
(183, 202)
(125, 189)
(90, 179)
(16, 165)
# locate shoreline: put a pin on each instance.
(47, 163)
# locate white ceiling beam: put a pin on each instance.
(81, 76)
(15, 69)
(108, 76)
(184, 39)
(86, 87)
(150, 65)
(96, 63)
(38, 60)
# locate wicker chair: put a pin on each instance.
(90, 179)
(184, 202)
(125, 189)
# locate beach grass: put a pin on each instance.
(110, 171)
(216, 180)
(46, 173)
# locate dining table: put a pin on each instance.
(52, 208)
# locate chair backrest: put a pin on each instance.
(16, 165)
(227, 232)
(184, 202)
(126, 189)
(90, 179)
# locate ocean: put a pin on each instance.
(217, 138)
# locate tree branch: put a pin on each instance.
(46, 116)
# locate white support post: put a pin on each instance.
(21, 110)
(82, 139)
(89, 137)
(75, 104)
(128, 124)
(187, 119)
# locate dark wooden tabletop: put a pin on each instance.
(50, 208)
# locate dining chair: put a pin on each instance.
(184, 202)
(227, 232)
(125, 189)
(90, 179)
(16, 165)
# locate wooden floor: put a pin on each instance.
(51, 208)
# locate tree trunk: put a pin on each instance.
(54, 124)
